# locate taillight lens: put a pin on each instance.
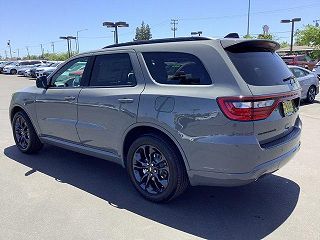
(248, 108)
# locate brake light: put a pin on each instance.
(252, 108)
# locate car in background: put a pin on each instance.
(2, 65)
(309, 83)
(48, 72)
(302, 60)
(39, 71)
(316, 69)
(15, 67)
(22, 69)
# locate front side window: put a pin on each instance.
(70, 74)
(113, 70)
(176, 68)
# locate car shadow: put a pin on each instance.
(247, 212)
(305, 103)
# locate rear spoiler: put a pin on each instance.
(256, 45)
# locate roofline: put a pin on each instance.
(163, 40)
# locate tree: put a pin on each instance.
(265, 36)
(248, 37)
(143, 32)
(309, 36)
(284, 44)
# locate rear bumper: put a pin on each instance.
(238, 179)
(243, 162)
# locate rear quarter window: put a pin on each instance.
(260, 68)
(176, 68)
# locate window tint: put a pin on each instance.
(298, 72)
(176, 68)
(260, 68)
(113, 70)
(70, 74)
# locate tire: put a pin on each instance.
(13, 71)
(24, 134)
(311, 95)
(160, 177)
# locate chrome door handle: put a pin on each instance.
(70, 98)
(125, 100)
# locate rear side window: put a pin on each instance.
(297, 72)
(176, 68)
(113, 70)
(260, 68)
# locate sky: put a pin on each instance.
(31, 23)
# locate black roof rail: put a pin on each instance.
(164, 40)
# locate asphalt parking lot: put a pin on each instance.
(59, 194)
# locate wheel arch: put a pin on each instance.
(16, 108)
(140, 129)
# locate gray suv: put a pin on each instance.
(173, 112)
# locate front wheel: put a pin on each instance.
(311, 95)
(156, 169)
(24, 134)
(13, 71)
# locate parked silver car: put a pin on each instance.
(220, 112)
(309, 83)
(16, 66)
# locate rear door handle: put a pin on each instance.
(70, 98)
(125, 100)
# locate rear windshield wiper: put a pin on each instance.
(288, 78)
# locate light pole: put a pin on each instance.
(248, 22)
(292, 21)
(41, 46)
(28, 51)
(114, 35)
(115, 25)
(77, 40)
(174, 23)
(9, 45)
(196, 33)
(68, 38)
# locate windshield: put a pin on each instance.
(260, 68)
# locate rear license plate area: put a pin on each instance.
(288, 107)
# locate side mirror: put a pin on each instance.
(42, 82)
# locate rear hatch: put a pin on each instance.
(275, 93)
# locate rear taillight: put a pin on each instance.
(252, 108)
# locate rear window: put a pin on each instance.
(260, 68)
(176, 68)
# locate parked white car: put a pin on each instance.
(16, 66)
(309, 82)
(41, 70)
